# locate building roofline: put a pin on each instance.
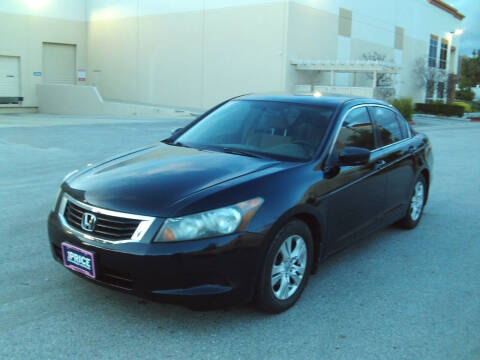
(448, 8)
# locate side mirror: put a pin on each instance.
(353, 156)
(175, 131)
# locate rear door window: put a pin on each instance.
(388, 127)
(356, 131)
(404, 126)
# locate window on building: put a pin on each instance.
(443, 54)
(432, 53)
(398, 38)
(440, 90)
(345, 22)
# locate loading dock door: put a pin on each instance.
(9, 77)
(59, 63)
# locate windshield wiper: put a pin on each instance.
(241, 152)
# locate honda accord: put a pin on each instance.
(245, 202)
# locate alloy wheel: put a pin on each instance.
(289, 267)
(417, 201)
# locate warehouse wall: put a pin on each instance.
(198, 52)
(189, 53)
(314, 34)
(25, 25)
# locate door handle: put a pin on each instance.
(380, 164)
(411, 149)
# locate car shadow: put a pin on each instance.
(339, 279)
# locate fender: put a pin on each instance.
(315, 218)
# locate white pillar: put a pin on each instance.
(332, 78)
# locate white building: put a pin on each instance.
(195, 53)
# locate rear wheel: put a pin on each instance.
(417, 203)
(286, 269)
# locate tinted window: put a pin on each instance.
(356, 131)
(389, 129)
(432, 54)
(443, 54)
(265, 127)
(403, 126)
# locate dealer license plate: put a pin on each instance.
(78, 260)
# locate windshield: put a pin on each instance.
(264, 128)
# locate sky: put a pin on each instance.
(471, 24)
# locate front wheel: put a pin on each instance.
(286, 268)
(417, 203)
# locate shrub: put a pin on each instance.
(440, 109)
(475, 105)
(466, 106)
(465, 94)
(405, 106)
(438, 102)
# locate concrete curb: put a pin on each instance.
(474, 116)
(428, 116)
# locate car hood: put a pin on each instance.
(152, 180)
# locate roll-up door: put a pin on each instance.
(58, 63)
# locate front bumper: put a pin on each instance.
(218, 271)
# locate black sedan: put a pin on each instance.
(245, 202)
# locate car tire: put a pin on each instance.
(416, 204)
(286, 269)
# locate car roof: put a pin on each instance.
(322, 100)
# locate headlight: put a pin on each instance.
(223, 221)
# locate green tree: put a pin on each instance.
(470, 71)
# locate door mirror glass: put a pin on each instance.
(354, 156)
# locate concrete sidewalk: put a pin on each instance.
(430, 116)
(473, 115)
(43, 120)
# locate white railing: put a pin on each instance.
(345, 90)
(337, 90)
(303, 89)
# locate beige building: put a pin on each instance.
(195, 53)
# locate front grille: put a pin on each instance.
(107, 227)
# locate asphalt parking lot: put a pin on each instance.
(396, 295)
